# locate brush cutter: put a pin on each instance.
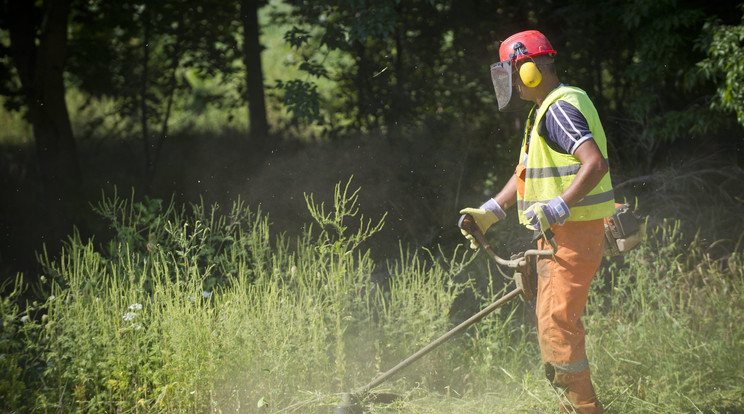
(525, 278)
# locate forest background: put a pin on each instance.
(266, 102)
(192, 101)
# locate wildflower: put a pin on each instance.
(24, 318)
(206, 294)
(135, 306)
(51, 298)
(129, 316)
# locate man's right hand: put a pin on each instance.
(484, 216)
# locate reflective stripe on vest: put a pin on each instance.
(549, 172)
(589, 200)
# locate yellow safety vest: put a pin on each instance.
(548, 172)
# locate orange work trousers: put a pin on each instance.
(562, 292)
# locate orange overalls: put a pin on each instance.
(562, 292)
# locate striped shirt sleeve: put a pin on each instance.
(566, 126)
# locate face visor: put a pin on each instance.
(506, 94)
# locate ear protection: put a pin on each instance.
(530, 74)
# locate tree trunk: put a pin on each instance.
(361, 85)
(259, 126)
(149, 167)
(39, 60)
(398, 104)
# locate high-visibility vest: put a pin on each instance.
(548, 173)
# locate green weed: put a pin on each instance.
(189, 309)
(663, 336)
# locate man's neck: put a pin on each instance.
(545, 88)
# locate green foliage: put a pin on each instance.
(394, 64)
(301, 99)
(725, 62)
(197, 239)
(662, 325)
(149, 58)
(391, 66)
(137, 323)
(22, 343)
(296, 37)
(345, 207)
(638, 61)
(131, 325)
(292, 327)
(663, 73)
(116, 344)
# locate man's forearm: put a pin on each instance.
(507, 197)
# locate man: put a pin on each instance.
(561, 183)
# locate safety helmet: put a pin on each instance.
(517, 47)
(529, 43)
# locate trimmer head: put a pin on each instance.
(349, 405)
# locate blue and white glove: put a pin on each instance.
(542, 216)
(484, 216)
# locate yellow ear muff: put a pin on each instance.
(530, 74)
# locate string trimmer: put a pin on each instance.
(525, 279)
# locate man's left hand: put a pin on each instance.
(541, 216)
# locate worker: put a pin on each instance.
(561, 183)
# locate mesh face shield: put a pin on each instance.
(506, 94)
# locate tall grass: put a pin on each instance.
(666, 335)
(195, 310)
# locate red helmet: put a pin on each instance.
(523, 45)
(519, 46)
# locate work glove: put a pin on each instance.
(484, 216)
(542, 216)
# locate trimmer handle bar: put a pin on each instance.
(467, 223)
